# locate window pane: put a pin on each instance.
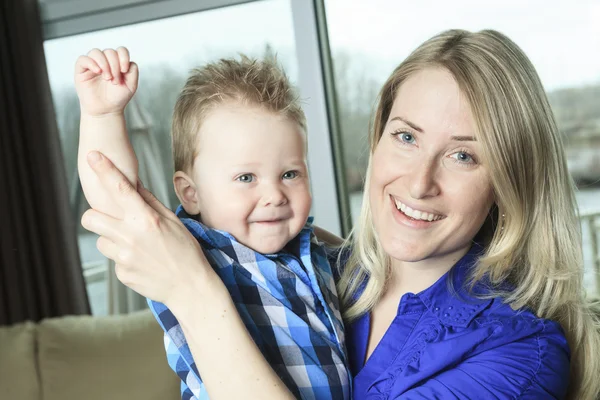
(165, 50)
(369, 39)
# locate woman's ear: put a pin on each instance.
(186, 191)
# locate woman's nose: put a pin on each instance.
(423, 181)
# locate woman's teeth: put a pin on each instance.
(416, 214)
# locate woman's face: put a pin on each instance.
(430, 190)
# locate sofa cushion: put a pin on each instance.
(18, 372)
(98, 358)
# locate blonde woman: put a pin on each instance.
(463, 277)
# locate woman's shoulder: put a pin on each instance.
(489, 334)
(518, 322)
(502, 346)
(492, 323)
(539, 343)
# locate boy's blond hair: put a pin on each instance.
(249, 81)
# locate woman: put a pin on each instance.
(467, 249)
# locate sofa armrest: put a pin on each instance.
(96, 358)
(18, 371)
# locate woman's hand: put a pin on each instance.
(155, 255)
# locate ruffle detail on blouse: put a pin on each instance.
(413, 355)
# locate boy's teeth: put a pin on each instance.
(416, 214)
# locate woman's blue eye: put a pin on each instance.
(463, 157)
(290, 175)
(246, 178)
(407, 138)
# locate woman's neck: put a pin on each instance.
(416, 276)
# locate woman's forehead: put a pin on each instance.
(430, 100)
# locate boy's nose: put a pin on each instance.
(273, 196)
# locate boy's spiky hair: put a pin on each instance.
(245, 80)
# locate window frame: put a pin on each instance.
(60, 18)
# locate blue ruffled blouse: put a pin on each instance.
(447, 344)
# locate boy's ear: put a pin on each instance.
(186, 191)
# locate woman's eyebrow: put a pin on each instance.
(407, 122)
(463, 138)
(419, 129)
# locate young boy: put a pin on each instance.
(239, 146)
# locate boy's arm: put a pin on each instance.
(105, 82)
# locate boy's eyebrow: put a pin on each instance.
(246, 165)
(292, 163)
(407, 122)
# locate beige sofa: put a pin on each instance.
(84, 357)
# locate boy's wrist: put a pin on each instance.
(101, 116)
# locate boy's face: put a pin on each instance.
(251, 176)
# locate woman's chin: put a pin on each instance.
(407, 252)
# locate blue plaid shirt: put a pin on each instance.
(289, 305)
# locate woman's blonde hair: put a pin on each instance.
(538, 250)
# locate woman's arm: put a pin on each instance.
(327, 237)
(157, 257)
(228, 360)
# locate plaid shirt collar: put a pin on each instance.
(298, 247)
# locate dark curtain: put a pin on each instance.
(40, 271)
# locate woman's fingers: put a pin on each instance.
(154, 203)
(102, 225)
(112, 242)
(122, 258)
(117, 185)
(124, 275)
(108, 248)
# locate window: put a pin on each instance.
(165, 50)
(369, 39)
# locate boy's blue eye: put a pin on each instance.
(290, 175)
(246, 178)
